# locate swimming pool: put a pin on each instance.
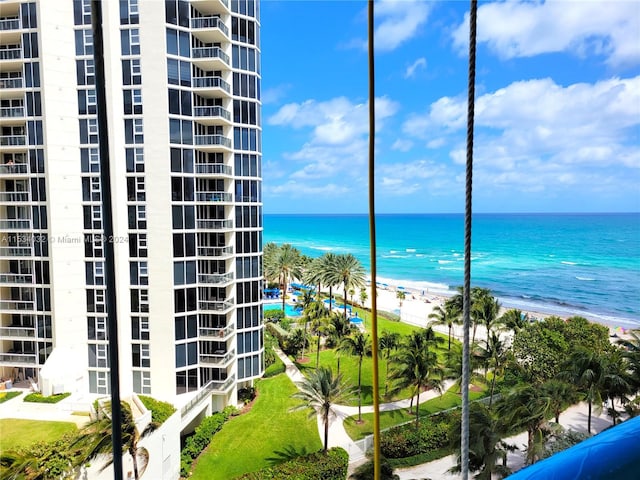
(289, 310)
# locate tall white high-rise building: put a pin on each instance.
(183, 107)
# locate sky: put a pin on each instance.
(557, 113)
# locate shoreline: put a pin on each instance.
(419, 304)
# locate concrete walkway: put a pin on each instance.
(60, 412)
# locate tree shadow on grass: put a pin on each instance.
(289, 452)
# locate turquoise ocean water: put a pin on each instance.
(566, 264)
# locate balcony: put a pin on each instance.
(16, 278)
(13, 197)
(215, 278)
(12, 112)
(10, 24)
(217, 333)
(17, 332)
(216, 252)
(220, 360)
(211, 6)
(216, 84)
(15, 169)
(210, 58)
(214, 169)
(18, 358)
(210, 29)
(214, 115)
(13, 140)
(12, 54)
(11, 83)
(215, 224)
(215, 306)
(213, 387)
(15, 224)
(17, 305)
(212, 142)
(217, 197)
(15, 252)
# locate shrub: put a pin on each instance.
(160, 411)
(201, 438)
(407, 440)
(6, 396)
(389, 316)
(39, 398)
(276, 368)
(273, 315)
(330, 465)
(247, 394)
(277, 333)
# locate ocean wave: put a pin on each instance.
(568, 263)
(324, 249)
(410, 250)
(443, 262)
(395, 256)
(585, 279)
(420, 255)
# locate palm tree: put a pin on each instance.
(419, 367)
(475, 295)
(631, 354)
(319, 391)
(328, 272)
(320, 328)
(288, 264)
(340, 328)
(351, 274)
(359, 346)
(400, 295)
(486, 309)
(617, 382)
(586, 370)
(453, 366)
(363, 296)
(310, 313)
(388, 341)
(95, 439)
(497, 355)
(560, 393)
(449, 315)
(514, 319)
(527, 406)
(486, 429)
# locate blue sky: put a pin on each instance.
(557, 106)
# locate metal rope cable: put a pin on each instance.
(464, 441)
(372, 247)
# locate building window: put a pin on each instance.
(97, 328)
(140, 328)
(131, 72)
(130, 41)
(142, 382)
(133, 101)
(133, 131)
(129, 13)
(84, 42)
(85, 72)
(99, 382)
(140, 356)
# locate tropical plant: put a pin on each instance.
(296, 342)
(497, 355)
(366, 471)
(351, 274)
(363, 296)
(561, 394)
(449, 315)
(453, 366)
(328, 273)
(319, 391)
(487, 452)
(513, 319)
(358, 345)
(320, 328)
(527, 406)
(95, 439)
(400, 295)
(340, 327)
(288, 264)
(617, 383)
(485, 308)
(389, 341)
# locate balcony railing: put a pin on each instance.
(11, 112)
(14, 82)
(211, 82)
(209, 52)
(215, 224)
(210, 22)
(213, 168)
(18, 358)
(14, 196)
(15, 224)
(15, 168)
(214, 111)
(213, 386)
(215, 278)
(214, 197)
(22, 305)
(13, 140)
(215, 251)
(15, 252)
(12, 53)
(217, 332)
(16, 278)
(214, 306)
(22, 332)
(213, 140)
(217, 359)
(10, 23)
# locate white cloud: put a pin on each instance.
(275, 94)
(296, 189)
(411, 69)
(523, 29)
(535, 134)
(406, 178)
(402, 145)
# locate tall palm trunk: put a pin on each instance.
(360, 390)
(345, 301)
(418, 405)
(326, 431)
(318, 352)
(132, 452)
(589, 419)
(330, 297)
(493, 383)
(450, 327)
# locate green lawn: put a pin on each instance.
(395, 417)
(266, 435)
(16, 433)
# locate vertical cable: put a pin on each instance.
(464, 437)
(109, 256)
(372, 247)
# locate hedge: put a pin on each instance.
(160, 410)
(407, 440)
(6, 396)
(197, 442)
(330, 465)
(39, 398)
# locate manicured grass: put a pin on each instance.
(6, 396)
(266, 435)
(396, 417)
(16, 433)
